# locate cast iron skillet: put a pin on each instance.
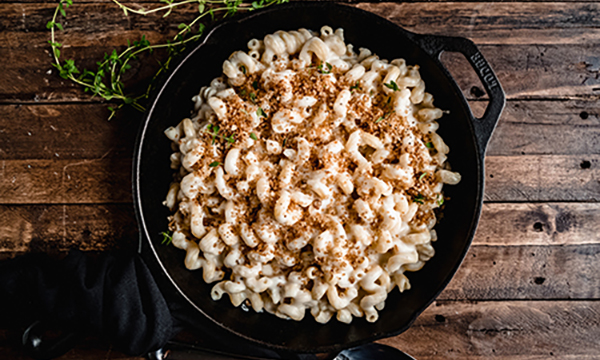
(466, 135)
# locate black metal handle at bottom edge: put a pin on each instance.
(484, 126)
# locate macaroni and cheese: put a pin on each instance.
(308, 176)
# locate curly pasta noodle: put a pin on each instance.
(308, 176)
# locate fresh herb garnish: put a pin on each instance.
(253, 136)
(243, 92)
(392, 85)
(355, 86)
(214, 164)
(214, 131)
(440, 201)
(429, 145)
(243, 68)
(284, 141)
(255, 85)
(106, 81)
(325, 69)
(422, 176)
(253, 98)
(385, 116)
(261, 112)
(419, 199)
(167, 238)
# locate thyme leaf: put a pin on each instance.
(419, 199)
(261, 112)
(392, 85)
(167, 238)
(440, 200)
(325, 68)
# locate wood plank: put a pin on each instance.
(501, 225)
(535, 127)
(526, 224)
(527, 70)
(496, 22)
(542, 178)
(521, 330)
(57, 228)
(534, 71)
(33, 132)
(107, 180)
(485, 22)
(560, 265)
(100, 180)
(80, 131)
(527, 273)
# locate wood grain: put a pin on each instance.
(497, 22)
(57, 228)
(485, 23)
(501, 224)
(527, 70)
(542, 178)
(107, 180)
(504, 330)
(526, 272)
(101, 180)
(525, 224)
(80, 131)
(65, 132)
(536, 127)
(551, 267)
(101, 227)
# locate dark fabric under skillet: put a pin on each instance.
(114, 296)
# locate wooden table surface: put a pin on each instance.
(530, 284)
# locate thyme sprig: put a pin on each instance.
(167, 238)
(213, 130)
(106, 80)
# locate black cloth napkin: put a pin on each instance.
(114, 296)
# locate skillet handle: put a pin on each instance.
(484, 126)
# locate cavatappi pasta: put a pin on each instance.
(308, 176)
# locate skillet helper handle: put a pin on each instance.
(484, 126)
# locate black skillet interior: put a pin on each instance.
(152, 176)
